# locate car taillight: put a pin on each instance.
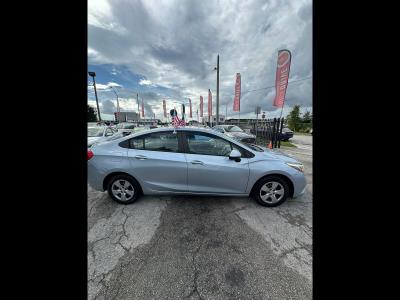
(89, 154)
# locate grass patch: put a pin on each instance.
(287, 144)
(263, 142)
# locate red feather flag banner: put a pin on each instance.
(165, 108)
(201, 106)
(142, 109)
(190, 108)
(209, 103)
(236, 101)
(282, 76)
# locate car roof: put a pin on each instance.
(185, 129)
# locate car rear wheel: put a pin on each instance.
(271, 191)
(123, 189)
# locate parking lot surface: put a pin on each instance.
(185, 247)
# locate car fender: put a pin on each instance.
(259, 169)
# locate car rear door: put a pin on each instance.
(158, 162)
(209, 168)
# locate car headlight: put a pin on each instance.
(297, 166)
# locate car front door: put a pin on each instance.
(158, 162)
(209, 168)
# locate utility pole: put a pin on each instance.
(258, 110)
(93, 74)
(118, 110)
(226, 111)
(217, 90)
(138, 110)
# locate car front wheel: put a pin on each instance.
(123, 189)
(271, 191)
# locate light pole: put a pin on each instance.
(138, 109)
(93, 74)
(226, 111)
(217, 68)
(117, 103)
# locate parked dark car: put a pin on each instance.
(286, 134)
(236, 133)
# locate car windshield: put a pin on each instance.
(125, 126)
(234, 129)
(95, 131)
(129, 126)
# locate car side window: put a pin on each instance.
(204, 144)
(161, 141)
(137, 143)
(158, 141)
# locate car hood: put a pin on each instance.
(278, 155)
(239, 135)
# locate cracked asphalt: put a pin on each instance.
(184, 247)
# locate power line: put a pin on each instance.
(269, 87)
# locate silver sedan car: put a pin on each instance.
(192, 161)
(97, 134)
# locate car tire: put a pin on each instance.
(123, 189)
(271, 191)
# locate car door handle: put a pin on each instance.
(197, 162)
(140, 157)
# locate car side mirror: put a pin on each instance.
(235, 155)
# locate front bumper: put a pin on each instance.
(299, 185)
(301, 193)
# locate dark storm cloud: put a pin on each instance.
(175, 44)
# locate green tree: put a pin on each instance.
(307, 117)
(306, 122)
(294, 119)
(91, 114)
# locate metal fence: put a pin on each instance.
(269, 131)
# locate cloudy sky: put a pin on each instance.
(168, 50)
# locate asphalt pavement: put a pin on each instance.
(185, 247)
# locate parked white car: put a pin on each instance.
(99, 133)
(126, 128)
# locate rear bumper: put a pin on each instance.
(95, 180)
